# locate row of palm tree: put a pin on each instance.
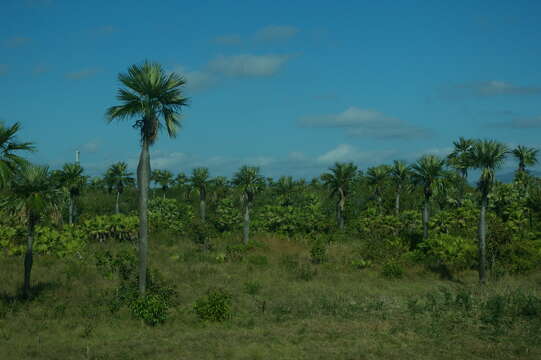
(154, 100)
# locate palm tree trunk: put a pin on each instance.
(202, 204)
(117, 208)
(246, 225)
(425, 219)
(341, 208)
(143, 179)
(482, 239)
(70, 210)
(28, 258)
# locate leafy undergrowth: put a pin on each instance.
(270, 300)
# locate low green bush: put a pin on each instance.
(215, 306)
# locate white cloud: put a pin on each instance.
(276, 33)
(366, 123)
(196, 80)
(91, 146)
(247, 65)
(497, 87)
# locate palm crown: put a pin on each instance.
(487, 155)
(426, 171)
(9, 160)
(118, 176)
(151, 96)
(526, 156)
(340, 178)
(249, 181)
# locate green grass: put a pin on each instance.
(283, 307)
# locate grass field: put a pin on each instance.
(283, 307)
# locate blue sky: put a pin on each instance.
(289, 86)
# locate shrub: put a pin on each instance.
(392, 270)
(114, 227)
(152, 309)
(360, 263)
(453, 252)
(215, 306)
(252, 287)
(318, 253)
(169, 215)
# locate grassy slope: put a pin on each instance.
(341, 313)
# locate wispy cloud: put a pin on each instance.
(104, 30)
(247, 65)
(276, 33)
(82, 74)
(196, 80)
(228, 39)
(366, 123)
(91, 146)
(496, 87)
(270, 33)
(3, 69)
(17, 41)
(519, 123)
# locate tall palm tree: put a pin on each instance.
(200, 181)
(526, 156)
(377, 178)
(339, 181)
(426, 171)
(459, 160)
(181, 182)
(9, 147)
(33, 194)
(163, 178)
(488, 156)
(72, 180)
(400, 176)
(250, 183)
(118, 178)
(154, 99)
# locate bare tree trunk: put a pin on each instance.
(117, 208)
(246, 225)
(143, 175)
(482, 239)
(341, 208)
(28, 258)
(70, 210)
(202, 204)
(425, 219)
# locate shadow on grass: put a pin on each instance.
(35, 292)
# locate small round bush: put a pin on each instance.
(152, 309)
(393, 270)
(215, 306)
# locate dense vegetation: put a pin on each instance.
(356, 263)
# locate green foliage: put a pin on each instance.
(215, 306)
(169, 215)
(318, 252)
(392, 270)
(227, 216)
(111, 227)
(360, 264)
(201, 232)
(152, 309)
(66, 241)
(453, 252)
